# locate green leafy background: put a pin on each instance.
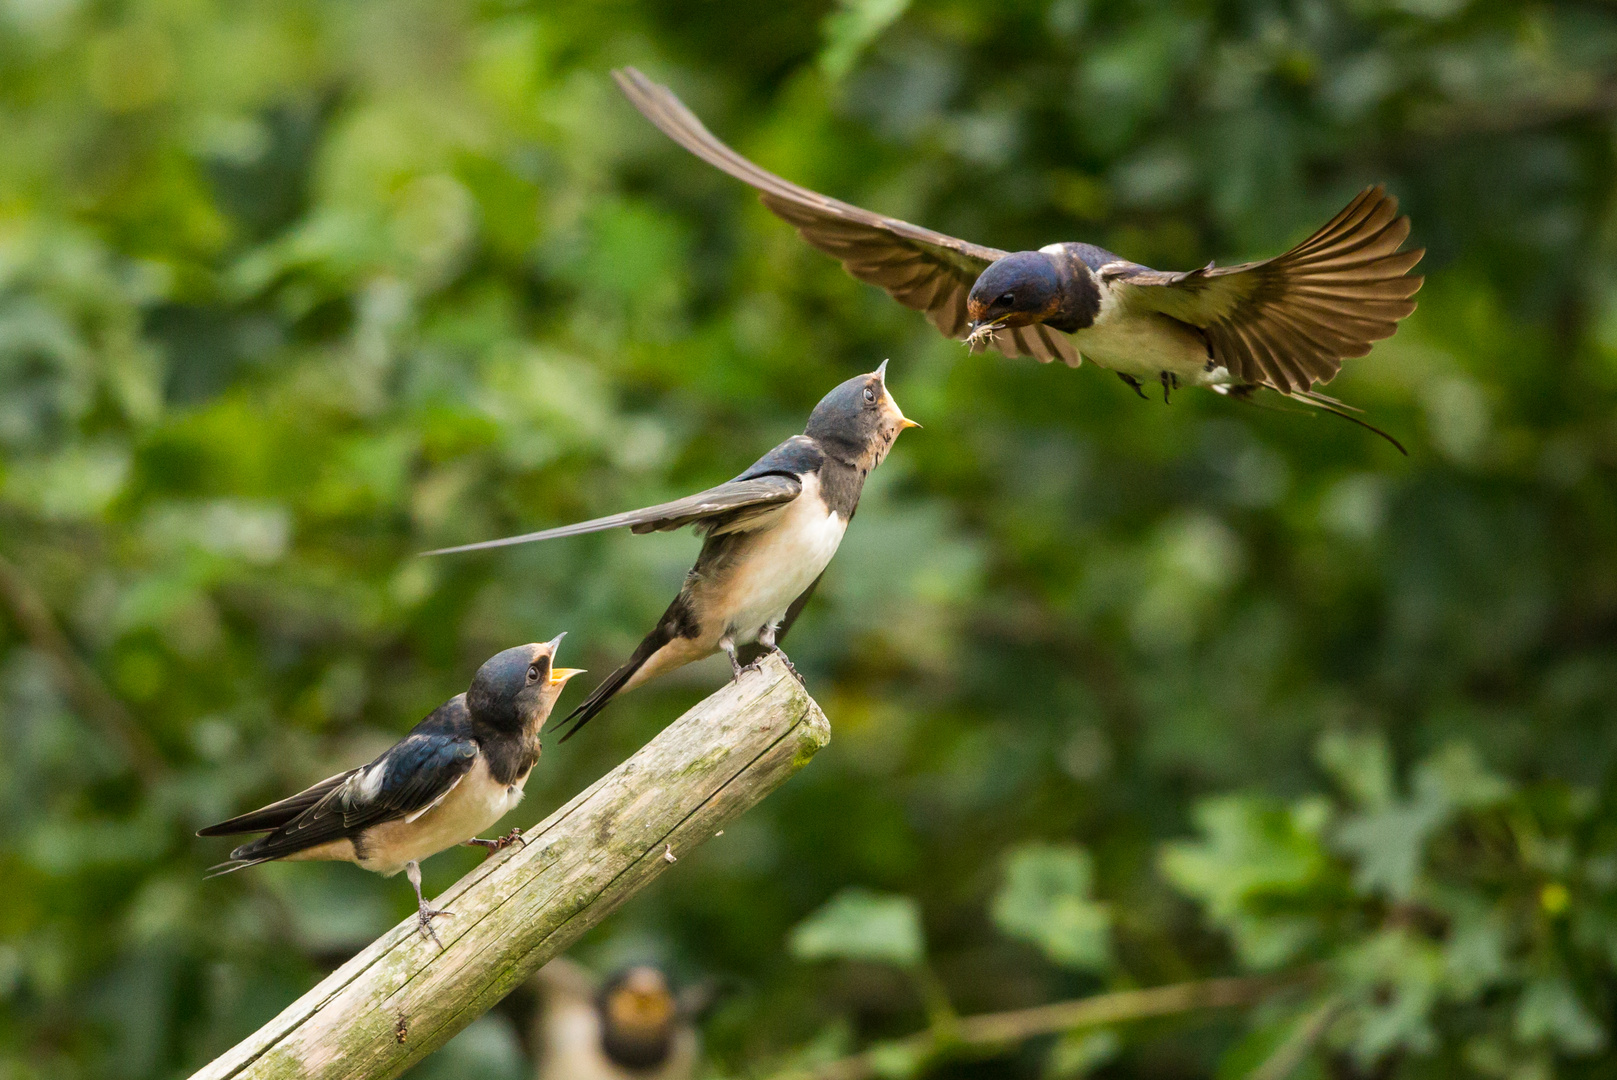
(1124, 694)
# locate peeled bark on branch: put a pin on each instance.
(403, 996)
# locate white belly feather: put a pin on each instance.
(781, 562)
(1143, 345)
(474, 804)
(757, 584)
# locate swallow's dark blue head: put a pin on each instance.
(1017, 290)
(859, 420)
(517, 688)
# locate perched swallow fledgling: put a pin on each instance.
(1284, 323)
(770, 533)
(455, 774)
(632, 1028)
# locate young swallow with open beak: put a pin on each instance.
(770, 533)
(455, 774)
(1284, 323)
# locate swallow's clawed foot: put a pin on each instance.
(778, 651)
(425, 912)
(499, 843)
(766, 638)
(1133, 384)
(729, 648)
(424, 917)
(1170, 381)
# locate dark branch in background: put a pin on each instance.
(80, 682)
(989, 1033)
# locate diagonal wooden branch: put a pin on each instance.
(403, 997)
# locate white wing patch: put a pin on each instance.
(368, 783)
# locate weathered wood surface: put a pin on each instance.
(403, 996)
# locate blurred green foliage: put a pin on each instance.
(291, 291)
(857, 924)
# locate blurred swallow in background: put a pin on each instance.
(1284, 323)
(455, 774)
(770, 533)
(632, 1028)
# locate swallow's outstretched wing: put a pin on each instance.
(1288, 322)
(929, 271)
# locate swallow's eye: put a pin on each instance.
(870, 395)
(1006, 299)
(533, 673)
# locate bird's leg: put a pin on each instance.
(766, 638)
(424, 913)
(727, 643)
(499, 843)
(1134, 384)
(1168, 383)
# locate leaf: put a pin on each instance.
(1457, 777)
(896, 1060)
(1397, 975)
(1046, 900)
(1476, 951)
(851, 28)
(857, 924)
(1078, 1053)
(1361, 764)
(1390, 842)
(1390, 845)
(1550, 1010)
(1254, 857)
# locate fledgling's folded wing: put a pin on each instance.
(929, 271)
(731, 506)
(277, 814)
(1288, 322)
(408, 780)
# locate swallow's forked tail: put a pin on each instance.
(1315, 399)
(609, 686)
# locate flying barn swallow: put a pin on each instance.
(455, 774)
(770, 533)
(1284, 323)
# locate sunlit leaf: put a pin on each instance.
(857, 924)
(1549, 1009)
(1046, 900)
(1254, 856)
(1362, 764)
(851, 28)
(1078, 1053)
